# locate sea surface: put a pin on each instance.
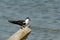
(44, 15)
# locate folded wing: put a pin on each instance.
(20, 22)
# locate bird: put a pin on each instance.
(21, 22)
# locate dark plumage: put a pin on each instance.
(20, 22)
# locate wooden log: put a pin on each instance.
(21, 34)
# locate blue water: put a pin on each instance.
(44, 14)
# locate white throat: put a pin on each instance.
(27, 21)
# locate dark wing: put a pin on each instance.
(19, 22)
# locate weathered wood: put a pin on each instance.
(21, 34)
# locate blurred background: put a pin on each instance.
(44, 15)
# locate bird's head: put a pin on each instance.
(28, 18)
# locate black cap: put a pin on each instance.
(28, 18)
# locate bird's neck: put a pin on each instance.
(27, 21)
